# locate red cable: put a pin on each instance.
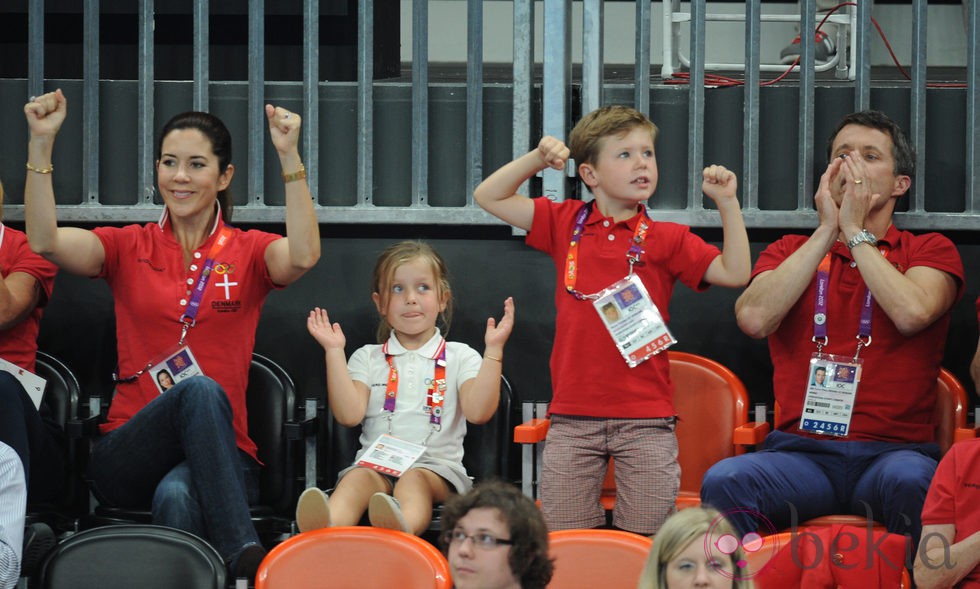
(724, 82)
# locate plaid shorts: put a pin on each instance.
(575, 462)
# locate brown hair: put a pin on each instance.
(384, 271)
(528, 559)
(585, 140)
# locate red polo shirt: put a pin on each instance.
(19, 343)
(893, 403)
(589, 376)
(144, 267)
(954, 497)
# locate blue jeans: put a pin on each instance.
(178, 456)
(40, 442)
(796, 478)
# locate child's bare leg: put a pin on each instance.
(417, 491)
(350, 499)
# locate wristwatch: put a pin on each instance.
(863, 236)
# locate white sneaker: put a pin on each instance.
(384, 512)
(312, 510)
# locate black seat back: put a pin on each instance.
(271, 402)
(144, 556)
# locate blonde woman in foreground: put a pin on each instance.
(696, 547)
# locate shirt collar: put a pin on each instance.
(429, 349)
(595, 216)
(165, 218)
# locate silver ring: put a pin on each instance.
(285, 116)
(31, 99)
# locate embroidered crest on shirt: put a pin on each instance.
(226, 296)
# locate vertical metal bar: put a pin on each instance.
(972, 106)
(523, 73)
(311, 94)
(804, 166)
(35, 48)
(309, 444)
(862, 54)
(641, 73)
(202, 49)
(420, 102)
(592, 60)
(256, 99)
(671, 38)
(474, 97)
(750, 116)
(528, 478)
(90, 106)
(918, 105)
(695, 115)
(557, 77)
(365, 102)
(145, 131)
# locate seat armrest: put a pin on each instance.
(299, 430)
(964, 433)
(83, 427)
(532, 431)
(751, 433)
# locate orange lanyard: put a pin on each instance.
(436, 396)
(633, 255)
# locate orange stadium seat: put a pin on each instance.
(597, 558)
(703, 437)
(353, 557)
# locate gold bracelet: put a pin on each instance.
(299, 174)
(489, 357)
(46, 170)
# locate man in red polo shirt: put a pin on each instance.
(871, 305)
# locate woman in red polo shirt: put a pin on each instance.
(188, 292)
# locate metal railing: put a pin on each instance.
(358, 198)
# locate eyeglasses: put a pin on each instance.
(482, 540)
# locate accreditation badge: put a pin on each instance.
(390, 455)
(832, 385)
(177, 364)
(633, 320)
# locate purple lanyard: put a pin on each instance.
(189, 318)
(820, 308)
(633, 255)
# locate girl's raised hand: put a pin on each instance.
(497, 333)
(46, 113)
(328, 335)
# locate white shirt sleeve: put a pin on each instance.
(13, 504)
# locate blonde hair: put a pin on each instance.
(677, 533)
(384, 272)
(585, 140)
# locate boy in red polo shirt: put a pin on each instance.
(612, 395)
